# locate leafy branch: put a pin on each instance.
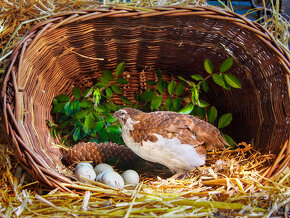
(221, 78)
(87, 117)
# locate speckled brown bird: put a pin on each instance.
(175, 140)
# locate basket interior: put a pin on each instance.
(67, 55)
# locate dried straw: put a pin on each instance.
(231, 183)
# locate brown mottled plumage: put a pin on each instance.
(175, 140)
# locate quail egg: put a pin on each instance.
(99, 176)
(81, 164)
(86, 172)
(112, 179)
(102, 167)
(130, 177)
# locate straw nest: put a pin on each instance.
(239, 182)
(229, 184)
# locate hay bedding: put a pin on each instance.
(230, 184)
(233, 183)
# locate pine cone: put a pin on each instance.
(98, 153)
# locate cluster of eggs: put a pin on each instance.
(105, 174)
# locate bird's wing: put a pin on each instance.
(166, 124)
(188, 129)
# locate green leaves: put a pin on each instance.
(62, 98)
(161, 86)
(122, 81)
(103, 135)
(151, 82)
(110, 119)
(208, 66)
(168, 104)
(77, 92)
(120, 68)
(204, 86)
(197, 77)
(87, 117)
(187, 109)
(229, 140)
(171, 87)
(88, 92)
(80, 115)
(156, 102)
(218, 79)
(148, 95)
(114, 128)
(212, 114)
(224, 80)
(225, 120)
(181, 78)
(126, 100)
(104, 81)
(58, 108)
(203, 103)
(176, 104)
(116, 89)
(85, 103)
(98, 126)
(109, 92)
(68, 108)
(232, 81)
(226, 65)
(179, 89)
(96, 96)
(76, 133)
(108, 75)
(89, 121)
(195, 95)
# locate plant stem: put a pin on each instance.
(209, 76)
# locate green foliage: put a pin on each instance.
(202, 108)
(77, 92)
(162, 96)
(232, 81)
(120, 68)
(226, 65)
(218, 79)
(208, 66)
(229, 140)
(212, 114)
(187, 109)
(225, 120)
(87, 116)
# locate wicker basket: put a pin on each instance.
(72, 49)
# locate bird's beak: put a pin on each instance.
(115, 115)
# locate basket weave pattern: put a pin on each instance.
(72, 49)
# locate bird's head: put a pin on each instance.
(125, 114)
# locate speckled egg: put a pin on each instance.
(130, 177)
(112, 179)
(102, 167)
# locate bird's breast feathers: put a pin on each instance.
(167, 151)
